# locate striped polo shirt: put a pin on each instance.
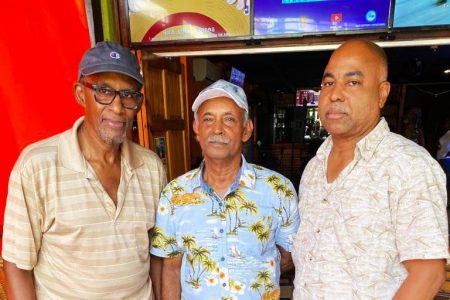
(61, 223)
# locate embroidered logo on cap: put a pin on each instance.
(114, 55)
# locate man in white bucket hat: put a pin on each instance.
(225, 228)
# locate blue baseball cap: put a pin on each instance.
(110, 57)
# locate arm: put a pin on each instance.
(286, 263)
(425, 277)
(171, 278)
(155, 275)
(289, 227)
(20, 282)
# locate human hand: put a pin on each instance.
(241, 5)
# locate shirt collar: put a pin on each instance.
(365, 147)
(246, 177)
(71, 157)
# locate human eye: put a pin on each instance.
(230, 119)
(327, 83)
(103, 90)
(207, 119)
(353, 83)
(128, 94)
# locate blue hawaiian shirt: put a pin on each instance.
(228, 245)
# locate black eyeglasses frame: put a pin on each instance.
(122, 95)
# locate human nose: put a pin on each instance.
(337, 92)
(116, 104)
(218, 128)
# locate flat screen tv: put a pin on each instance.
(237, 77)
(421, 13)
(180, 20)
(313, 16)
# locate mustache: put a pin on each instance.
(217, 138)
(336, 109)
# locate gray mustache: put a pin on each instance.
(216, 138)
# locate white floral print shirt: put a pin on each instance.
(387, 206)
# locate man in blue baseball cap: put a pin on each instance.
(81, 204)
(224, 230)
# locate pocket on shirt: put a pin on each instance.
(141, 240)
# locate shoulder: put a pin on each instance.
(269, 176)
(183, 183)
(39, 153)
(187, 177)
(402, 150)
(147, 156)
(403, 156)
(143, 152)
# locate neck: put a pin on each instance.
(220, 174)
(343, 144)
(94, 149)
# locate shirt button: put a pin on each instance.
(221, 230)
(222, 258)
(220, 204)
(224, 284)
(318, 231)
(324, 200)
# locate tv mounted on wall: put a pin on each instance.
(422, 13)
(181, 20)
(281, 17)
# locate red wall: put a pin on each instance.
(41, 44)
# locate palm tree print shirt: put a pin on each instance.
(228, 245)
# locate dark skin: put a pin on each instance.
(99, 137)
(354, 89)
(222, 118)
(104, 129)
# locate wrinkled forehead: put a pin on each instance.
(218, 104)
(357, 60)
(111, 78)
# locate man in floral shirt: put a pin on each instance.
(225, 229)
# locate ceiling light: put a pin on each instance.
(447, 71)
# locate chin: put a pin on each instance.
(112, 139)
(217, 155)
(337, 130)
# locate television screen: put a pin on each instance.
(311, 16)
(422, 13)
(237, 77)
(307, 97)
(175, 20)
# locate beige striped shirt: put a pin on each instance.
(61, 223)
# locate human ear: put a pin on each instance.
(384, 89)
(195, 127)
(248, 130)
(79, 94)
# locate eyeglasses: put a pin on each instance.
(105, 95)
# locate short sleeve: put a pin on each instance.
(289, 217)
(22, 232)
(421, 218)
(164, 237)
(162, 175)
